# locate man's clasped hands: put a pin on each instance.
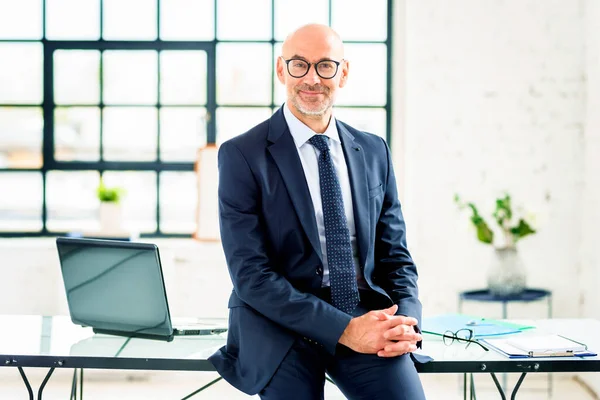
(382, 332)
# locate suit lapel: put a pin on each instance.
(355, 159)
(284, 152)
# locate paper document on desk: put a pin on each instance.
(538, 345)
(440, 324)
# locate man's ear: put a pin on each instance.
(345, 67)
(280, 70)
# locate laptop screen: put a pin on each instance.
(115, 286)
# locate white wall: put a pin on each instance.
(590, 255)
(196, 278)
(495, 94)
(591, 190)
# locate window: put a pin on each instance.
(129, 90)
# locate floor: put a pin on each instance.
(100, 384)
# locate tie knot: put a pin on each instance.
(321, 142)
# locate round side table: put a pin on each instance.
(528, 295)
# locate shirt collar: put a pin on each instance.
(301, 133)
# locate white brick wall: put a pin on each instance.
(591, 189)
(495, 95)
(590, 255)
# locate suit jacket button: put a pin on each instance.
(319, 270)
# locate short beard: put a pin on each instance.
(312, 113)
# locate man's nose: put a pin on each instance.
(311, 76)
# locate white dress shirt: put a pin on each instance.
(309, 158)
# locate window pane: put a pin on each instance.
(129, 20)
(187, 19)
(21, 137)
(367, 78)
(370, 120)
(77, 77)
(71, 200)
(235, 121)
(130, 77)
(183, 77)
(77, 134)
(62, 25)
(139, 202)
(22, 210)
(21, 78)
(234, 22)
(289, 15)
(371, 14)
(182, 133)
(20, 19)
(129, 133)
(178, 199)
(244, 73)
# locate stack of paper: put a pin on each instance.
(538, 345)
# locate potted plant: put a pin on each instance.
(110, 206)
(507, 275)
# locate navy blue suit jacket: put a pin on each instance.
(269, 235)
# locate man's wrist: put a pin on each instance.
(344, 339)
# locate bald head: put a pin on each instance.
(313, 68)
(313, 38)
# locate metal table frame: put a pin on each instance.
(457, 367)
(527, 296)
(145, 355)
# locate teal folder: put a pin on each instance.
(440, 324)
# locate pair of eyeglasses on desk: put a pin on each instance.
(461, 336)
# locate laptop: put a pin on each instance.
(117, 288)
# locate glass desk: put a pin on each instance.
(527, 296)
(54, 342)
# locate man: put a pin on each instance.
(315, 244)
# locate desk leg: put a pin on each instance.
(470, 385)
(42, 386)
(473, 395)
(515, 390)
(74, 385)
(550, 377)
(73, 395)
(80, 384)
(26, 383)
(202, 388)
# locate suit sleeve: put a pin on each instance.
(396, 271)
(255, 279)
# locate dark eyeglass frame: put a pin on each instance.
(337, 67)
(449, 337)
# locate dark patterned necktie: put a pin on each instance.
(342, 276)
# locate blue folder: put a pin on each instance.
(481, 327)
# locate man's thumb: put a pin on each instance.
(392, 310)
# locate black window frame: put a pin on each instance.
(48, 106)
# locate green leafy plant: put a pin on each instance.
(503, 216)
(109, 194)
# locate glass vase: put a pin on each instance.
(506, 275)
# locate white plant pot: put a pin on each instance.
(507, 275)
(111, 215)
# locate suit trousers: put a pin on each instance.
(301, 374)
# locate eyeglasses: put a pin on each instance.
(461, 336)
(297, 67)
